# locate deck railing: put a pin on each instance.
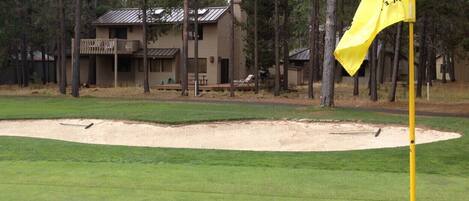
(108, 46)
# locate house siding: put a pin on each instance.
(84, 66)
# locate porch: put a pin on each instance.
(206, 88)
(108, 46)
(114, 47)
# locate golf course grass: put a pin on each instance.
(38, 169)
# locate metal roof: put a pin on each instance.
(301, 54)
(160, 53)
(130, 16)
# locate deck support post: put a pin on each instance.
(72, 60)
(115, 63)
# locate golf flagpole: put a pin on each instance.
(412, 155)
(412, 111)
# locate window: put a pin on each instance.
(167, 66)
(123, 65)
(119, 33)
(192, 32)
(140, 65)
(202, 65)
(155, 65)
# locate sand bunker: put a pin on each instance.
(247, 135)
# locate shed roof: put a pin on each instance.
(301, 54)
(131, 16)
(160, 53)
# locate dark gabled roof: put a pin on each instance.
(131, 16)
(160, 53)
(301, 54)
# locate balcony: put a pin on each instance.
(108, 46)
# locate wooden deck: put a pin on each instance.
(213, 87)
(108, 46)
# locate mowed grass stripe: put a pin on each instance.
(229, 181)
(163, 112)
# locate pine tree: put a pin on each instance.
(327, 98)
(146, 84)
(76, 51)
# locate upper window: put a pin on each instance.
(202, 65)
(119, 33)
(192, 32)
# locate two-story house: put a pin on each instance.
(118, 46)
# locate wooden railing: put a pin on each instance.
(108, 46)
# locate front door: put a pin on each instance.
(225, 71)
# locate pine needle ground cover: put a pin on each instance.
(39, 169)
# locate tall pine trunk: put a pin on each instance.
(422, 57)
(31, 65)
(356, 85)
(431, 69)
(58, 59)
(196, 45)
(92, 34)
(16, 64)
(146, 82)
(256, 50)
(452, 75)
(444, 67)
(327, 98)
(24, 62)
(429, 65)
(373, 72)
(276, 49)
(286, 38)
(381, 59)
(44, 66)
(62, 47)
(395, 63)
(340, 30)
(76, 51)
(313, 46)
(185, 51)
(232, 53)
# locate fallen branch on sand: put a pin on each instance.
(87, 126)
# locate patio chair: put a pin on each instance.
(249, 79)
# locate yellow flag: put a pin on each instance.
(371, 17)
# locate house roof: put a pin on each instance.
(301, 54)
(131, 16)
(160, 53)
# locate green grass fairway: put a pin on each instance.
(38, 169)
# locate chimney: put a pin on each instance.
(239, 14)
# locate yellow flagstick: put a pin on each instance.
(412, 112)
